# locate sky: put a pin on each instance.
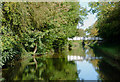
(91, 18)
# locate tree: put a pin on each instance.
(80, 32)
(35, 28)
(108, 20)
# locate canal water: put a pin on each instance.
(80, 63)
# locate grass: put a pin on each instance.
(112, 50)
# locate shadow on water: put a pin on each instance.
(92, 65)
(83, 45)
(109, 67)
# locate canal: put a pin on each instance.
(80, 63)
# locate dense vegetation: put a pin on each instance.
(108, 23)
(36, 28)
(107, 27)
(80, 32)
(47, 69)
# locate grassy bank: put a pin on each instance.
(111, 50)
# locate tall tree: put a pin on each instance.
(38, 27)
(108, 14)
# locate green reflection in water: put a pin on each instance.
(109, 67)
(77, 49)
(47, 69)
(57, 67)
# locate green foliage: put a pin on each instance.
(92, 30)
(108, 14)
(80, 32)
(47, 69)
(30, 26)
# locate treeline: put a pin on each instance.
(36, 28)
(108, 24)
(80, 32)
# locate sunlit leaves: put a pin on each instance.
(46, 24)
(108, 14)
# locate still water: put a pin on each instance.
(78, 64)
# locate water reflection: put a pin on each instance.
(87, 71)
(86, 64)
(109, 68)
(47, 69)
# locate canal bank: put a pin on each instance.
(111, 50)
(93, 66)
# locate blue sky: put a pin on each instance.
(91, 18)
